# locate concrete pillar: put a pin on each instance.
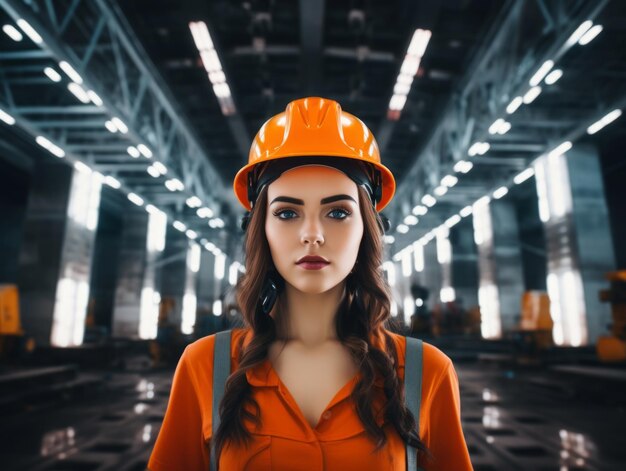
(432, 275)
(55, 272)
(174, 273)
(464, 263)
(579, 243)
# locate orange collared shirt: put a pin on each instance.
(286, 441)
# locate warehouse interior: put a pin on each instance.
(124, 122)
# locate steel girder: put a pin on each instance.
(500, 71)
(94, 39)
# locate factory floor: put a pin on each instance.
(514, 418)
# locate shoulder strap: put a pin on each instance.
(413, 390)
(221, 371)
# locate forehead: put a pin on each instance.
(313, 181)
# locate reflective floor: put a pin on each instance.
(525, 419)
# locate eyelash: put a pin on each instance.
(343, 210)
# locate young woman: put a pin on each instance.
(315, 379)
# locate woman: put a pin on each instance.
(316, 380)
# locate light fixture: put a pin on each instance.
(441, 190)
(449, 181)
(452, 221)
(579, 33)
(153, 172)
(78, 92)
(531, 94)
(119, 124)
(463, 166)
(541, 73)
(94, 98)
(560, 149)
(466, 211)
(607, 119)
(12, 32)
(50, 147)
(145, 151)
(191, 234)
(590, 35)
(110, 126)
(429, 200)
(204, 212)
(500, 192)
(133, 152)
(419, 210)
(6, 117)
(52, 74)
(71, 73)
(112, 182)
(160, 167)
(30, 31)
(193, 202)
(402, 228)
(514, 105)
(523, 176)
(410, 220)
(553, 76)
(179, 226)
(135, 199)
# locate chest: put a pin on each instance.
(313, 377)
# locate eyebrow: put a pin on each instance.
(330, 199)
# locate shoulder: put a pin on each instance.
(202, 350)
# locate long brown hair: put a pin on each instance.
(364, 314)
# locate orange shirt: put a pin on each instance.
(286, 441)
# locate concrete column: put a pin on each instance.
(190, 300)
(508, 260)
(579, 243)
(174, 273)
(464, 263)
(432, 275)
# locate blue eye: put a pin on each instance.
(280, 213)
(340, 211)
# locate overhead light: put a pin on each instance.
(607, 119)
(179, 226)
(204, 212)
(78, 92)
(478, 148)
(174, 184)
(133, 152)
(452, 221)
(6, 117)
(463, 166)
(419, 42)
(514, 105)
(110, 126)
(119, 124)
(410, 65)
(221, 90)
(441, 190)
(410, 220)
(397, 102)
(504, 128)
(560, 149)
(12, 32)
(523, 175)
(201, 35)
(405, 79)
(553, 76)
(112, 182)
(152, 209)
(482, 201)
(419, 210)
(211, 61)
(449, 181)
(401, 89)
(191, 234)
(466, 211)
(145, 151)
(541, 73)
(160, 167)
(389, 239)
(217, 77)
(500, 192)
(402, 228)
(71, 73)
(94, 98)
(52, 74)
(590, 35)
(135, 199)
(82, 167)
(30, 31)
(153, 172)
(429, 200)
(531, 94)
(193, 202)
(50, 147)
(499, 126)
(579, 33)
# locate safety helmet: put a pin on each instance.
(314, 131)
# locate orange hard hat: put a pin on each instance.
(315, 130)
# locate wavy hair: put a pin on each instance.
(364, 314)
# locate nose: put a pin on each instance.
(312, 233)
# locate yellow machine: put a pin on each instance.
(536, 320)
(613, 347)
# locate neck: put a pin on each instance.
(309, 318)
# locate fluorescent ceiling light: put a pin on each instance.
(452, 221)
(500, 192)
(204, 212)
(94, 98)
(463, 166)
(217, 77)
(429, 200)
(152, 209)
(133, 152)
(145, 151)
(221, 90)
(119, 124)
(52, 74)
(193, 202)
(112, 182)
(580, 31)
(201, 35)
(135, 199)
(12, 32)
(590, 35)
(531, 95)
(554, 76)
(466, 211)
(478, 148)
(179, 226)
(401, 89)
(78, 92)
(523, 176)
(441, 190)
(6, 117)
(609, 118)
(481, 201)
(82, 167)
(419, 42)
(410, 220)
(30, 31)
(397, 102)
(560, 149)
(50, 147)
(541, 73)
(191, 234)
(449, 181)
(153, 172)
(160, 167)
(514, 105)
(110, 126)
(405, 79)
(211, 61)
(402, 228)
(174, 184)
(419, 210)
(71, 73)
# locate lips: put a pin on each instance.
(312, 259)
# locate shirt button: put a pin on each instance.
(326, 415)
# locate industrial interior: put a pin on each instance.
(124, 122)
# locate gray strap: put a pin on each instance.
(413, 390)
(221, 371)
